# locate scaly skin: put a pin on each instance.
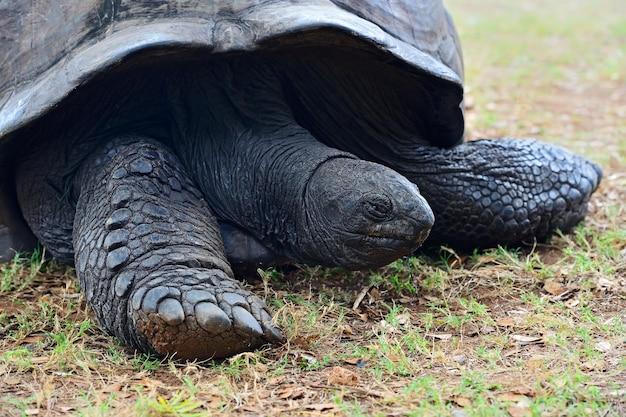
(144, 240)
(267, 175)
(150, 261)
(500, 192)
(288, 177)
(483, 193)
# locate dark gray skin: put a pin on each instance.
(136, 217)
(135, 197)
(484, 193)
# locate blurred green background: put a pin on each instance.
(553, 69)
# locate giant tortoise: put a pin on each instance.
(155, 145)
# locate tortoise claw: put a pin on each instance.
(171, 311)
(245, 323)
(199, 319)
(211, 318)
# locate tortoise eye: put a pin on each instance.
(378, 207)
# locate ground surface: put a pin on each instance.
(537, 331)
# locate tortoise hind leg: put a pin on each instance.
(150, 260)
(500, 192)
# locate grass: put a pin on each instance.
(538, 331)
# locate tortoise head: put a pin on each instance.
(361, 214)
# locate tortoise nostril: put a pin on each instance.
(377, 207)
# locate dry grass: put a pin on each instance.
(532, 332)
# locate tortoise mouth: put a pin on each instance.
(403, 235)
(380, 244)
(414, 238)
(383, 249)
(412, 230)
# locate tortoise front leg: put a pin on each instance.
(15, 236)
(150, 259)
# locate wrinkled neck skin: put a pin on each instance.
(248, 155)
(264, 173)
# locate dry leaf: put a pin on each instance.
(536, 362)
(515, 411)
(117, 389)
(603, 346)
(113, 388)
(553, 287)
(306, 358)
(301, 342)
(432, 298)
(512, 398)
(149, 383)
(358, 362)
(345, 330)
(321, 407)
(506, 321)
(614, 163)
(523, 390)
(460, 359)
(342, 376)
(387, 327)
(360, 296)
(605, 284)
(291, 392)
(462, 401)
(440, 336)
(527, 340)
(593, 365)
(31, 339)
(456, 262)
(510, 352)
(276, 380)
(403, 319)
(485, 259)
(263, 394)
(12, 381)
(487, 329)
(364, 317)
